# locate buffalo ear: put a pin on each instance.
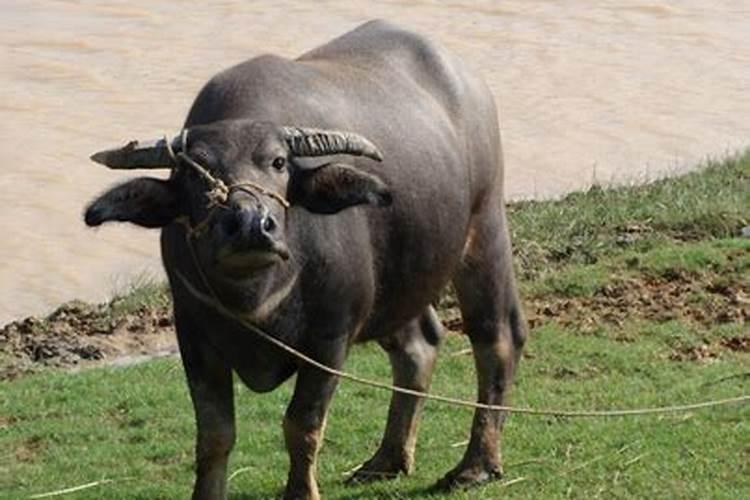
(144, 201)
(334, 187)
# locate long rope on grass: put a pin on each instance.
(75, 489)
(215, 302)
(221, 308)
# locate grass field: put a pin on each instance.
(637, 297)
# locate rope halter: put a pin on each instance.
(218, 193)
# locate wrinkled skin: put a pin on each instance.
(360, 254)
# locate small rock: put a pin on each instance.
(164, 321)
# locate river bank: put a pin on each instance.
(666, 251)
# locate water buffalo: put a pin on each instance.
(328, 200)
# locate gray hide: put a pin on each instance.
(361, 253)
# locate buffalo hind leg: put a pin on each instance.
(494, 323)
(210, 383)
(412, 352)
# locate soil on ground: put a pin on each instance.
(688, 298)
(683, 297)
(80, 334)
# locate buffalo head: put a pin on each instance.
(232, 182)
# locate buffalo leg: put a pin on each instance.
(210, 383)
(412, 352)
(493, 321)
(304, 422)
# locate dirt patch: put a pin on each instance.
(677, 297)
(683, 297)
(710, 350)
(703, 352)
(739, 344)
(81, 334)
(6, 421)
(29, 449)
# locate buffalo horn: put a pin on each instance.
(315, 142)
(137, 154)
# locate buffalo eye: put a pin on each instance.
(279, 163)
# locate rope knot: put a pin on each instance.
(217, 195)
(218, 192)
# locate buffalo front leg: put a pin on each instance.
(304, 422)
(494, 323)
(412, 352)
(210, 381)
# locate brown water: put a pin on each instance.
(623, 91)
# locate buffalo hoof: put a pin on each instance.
(363, 476)
(378, 468)
(467, 476)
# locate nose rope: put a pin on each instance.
(218, 193)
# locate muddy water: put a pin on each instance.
(626, 90)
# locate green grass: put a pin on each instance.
(679, 259)
(711, 202)
(141, 293)
(135, 425)
(711, 261)
(573, 281)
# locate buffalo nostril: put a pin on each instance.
(268, 224)
(231, 225)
